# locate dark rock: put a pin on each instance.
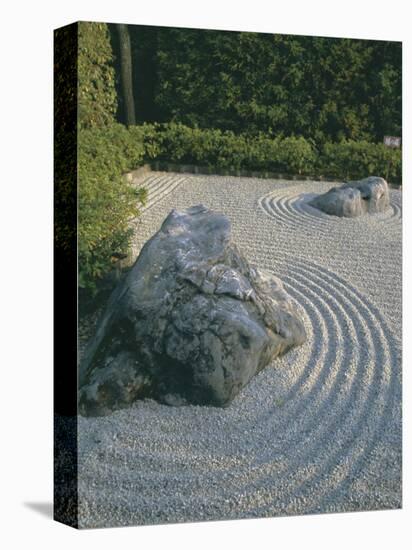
(355, 198)
(192, 322)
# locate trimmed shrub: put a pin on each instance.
(146, 136)
(107, 202)
(177, 143)
(289, 155)
(358, 159)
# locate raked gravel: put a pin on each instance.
(319, 430)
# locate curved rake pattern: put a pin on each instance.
(159, 186)
(318, 430)
(290, 207)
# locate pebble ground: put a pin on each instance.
(317, 431)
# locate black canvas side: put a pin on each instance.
(65, 275)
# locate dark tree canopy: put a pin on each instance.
(320, 88)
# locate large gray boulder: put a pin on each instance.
(193, 322)
(355, 198)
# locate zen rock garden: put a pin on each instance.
(355, 198)
(191, 323)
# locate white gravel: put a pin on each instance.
(318, 430)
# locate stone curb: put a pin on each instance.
(163, 166)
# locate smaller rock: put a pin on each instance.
(355, 198)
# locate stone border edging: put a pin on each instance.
(213, 170)
(163, 166)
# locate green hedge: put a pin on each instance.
(358, 159)
(177, 143)
(290, 155)
(224, 149)
(107, 201)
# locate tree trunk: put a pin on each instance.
(126, 72)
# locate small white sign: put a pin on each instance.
(392, 141)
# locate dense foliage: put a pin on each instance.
(348, 159)
(107, 202)
(224, 149)
(359, 159)
(179, 144)
(65, 152)
(325, 89)
(106, 150)
(97, 101)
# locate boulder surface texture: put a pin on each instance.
(192, 322)
(355, 198)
